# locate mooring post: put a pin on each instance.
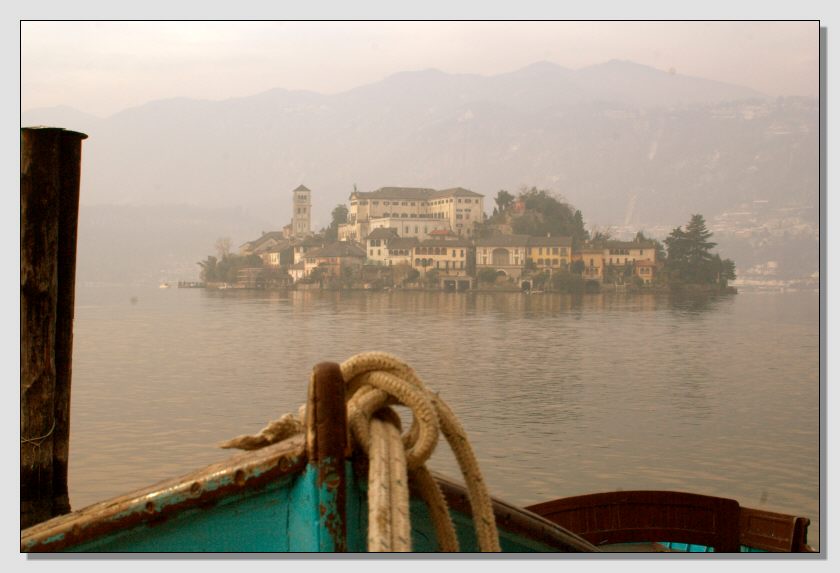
(50, 163)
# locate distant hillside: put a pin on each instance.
(627, 144)
(424, 128)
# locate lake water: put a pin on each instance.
(559, 395)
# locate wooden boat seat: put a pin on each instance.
(649, 516)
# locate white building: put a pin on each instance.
(414, 212)
(385, 247)
(419, 227)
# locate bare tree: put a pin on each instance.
(223, 247)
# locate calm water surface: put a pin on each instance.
(560, 396)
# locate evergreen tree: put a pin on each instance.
(690, 259)
(698, 246)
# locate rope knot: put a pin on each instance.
(376, 381)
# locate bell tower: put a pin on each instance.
(301, 212)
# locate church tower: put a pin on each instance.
(301, 212)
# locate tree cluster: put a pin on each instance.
(226, 268)
(542, 214)
(689, 258)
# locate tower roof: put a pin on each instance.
(301, 188)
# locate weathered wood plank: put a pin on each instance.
(327, 449)
(49, 200)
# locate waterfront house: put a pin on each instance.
(377, 245)
(628, 252)
(505, 253)
(593, 261)
(335, 259)
(447, 256)
(400, 250)
(645, 270)
(552, 253)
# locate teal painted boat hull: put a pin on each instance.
(268, 501)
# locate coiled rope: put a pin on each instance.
(375, 382)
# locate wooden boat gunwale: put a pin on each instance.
(661, 516)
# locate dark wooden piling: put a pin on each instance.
(50, 163)
(326, 446)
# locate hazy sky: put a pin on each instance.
(104, 67)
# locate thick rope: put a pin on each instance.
(375, 381)
(281, 429)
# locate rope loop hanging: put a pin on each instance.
(375, 381)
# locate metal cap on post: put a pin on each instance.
(50, 166)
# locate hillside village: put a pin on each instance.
(403, 237)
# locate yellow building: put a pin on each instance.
(645, 270)
(624, 252)
(553, 253)
(448, 257)
(600, 257)
(593, 263)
